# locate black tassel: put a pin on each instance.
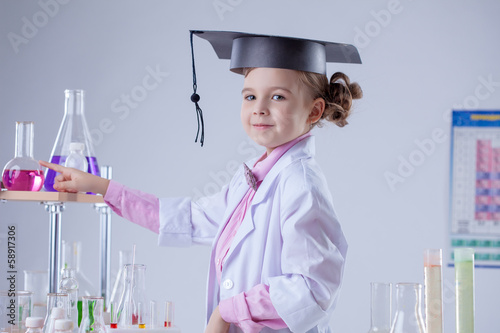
(195, 98)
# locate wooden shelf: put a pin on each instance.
(50, 197)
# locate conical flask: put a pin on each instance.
(408, 318)
(73, 129)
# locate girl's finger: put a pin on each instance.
(55, 167)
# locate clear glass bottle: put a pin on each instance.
(92, 318)
(69, 285)
(134, 292)
(464, 289)
(408, 318)
(381, 307)
(23, 173)
(63, 326)
(433, 260)
(34, 324)
(76, 158)
(73, 129)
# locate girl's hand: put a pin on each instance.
(73, 180)
(216, 324)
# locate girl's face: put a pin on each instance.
(276, 107)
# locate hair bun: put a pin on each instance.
(339, 103)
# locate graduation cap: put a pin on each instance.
(251, 50)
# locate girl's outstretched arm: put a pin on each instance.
(73, 180)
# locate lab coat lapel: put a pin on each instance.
(303, 149)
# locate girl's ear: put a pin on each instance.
(318, 107)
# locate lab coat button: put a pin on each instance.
(227, 284)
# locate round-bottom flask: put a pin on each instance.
(23, 173)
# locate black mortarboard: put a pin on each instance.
(251, 50)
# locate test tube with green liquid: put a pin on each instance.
(464, 289)
(433, 290)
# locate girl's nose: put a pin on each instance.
(261, 109)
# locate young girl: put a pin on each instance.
(278, 251)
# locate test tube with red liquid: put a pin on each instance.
(169, 314)
(114, 318)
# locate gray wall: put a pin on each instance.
(420, 60)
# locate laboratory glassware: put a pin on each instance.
(15, 307)
(69, 285)
(153, 315)
(23, 173)
(34, 324)
(57, 308)
(38, 283)
(92, 318)
(433, 290)
(134, 292)
(169, 314)
(113, 323)
(141, 319)
(381, 307)
(76, 158)
(408, 317)
(124, 257)
(464, 289)
(73, 129)
(63, 326)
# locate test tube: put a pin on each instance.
(169, 314)
(433, 290)
(153, 314)
(114, 318)
(140, 315)
(464, 284)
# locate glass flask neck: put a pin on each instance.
(24, 139)
(74, 102)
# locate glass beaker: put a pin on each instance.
(134, 292)
(408, 318)
(73, 129)
(464, 289)
(381, 307)
(23, 173)
(15, 307)
(433, 290)
(92, 319)
(38, 283)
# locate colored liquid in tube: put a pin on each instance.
(142, 325)
(464, 284)
(433, 290)
(113, 325)
(23, 180)
(168, 324)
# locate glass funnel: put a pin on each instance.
(73, 129)
(134, 293)
(381, 307)
(408, 318)
(23, 173)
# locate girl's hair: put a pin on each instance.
(338, 95)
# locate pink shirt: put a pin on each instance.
(250, 310)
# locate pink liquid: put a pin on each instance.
(23, 180)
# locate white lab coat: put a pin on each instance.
(290, 239)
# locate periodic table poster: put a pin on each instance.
(475, 185)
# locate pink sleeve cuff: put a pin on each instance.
(252, 310)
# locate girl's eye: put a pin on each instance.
(278, 97)
(250, 97)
